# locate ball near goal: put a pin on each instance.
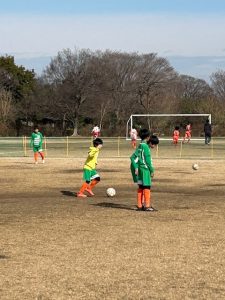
(111, 192)
(195, 166)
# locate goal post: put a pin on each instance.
(131, 120)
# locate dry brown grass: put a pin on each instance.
(56, 246)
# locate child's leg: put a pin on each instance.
(92, 185)
(84, 187)
(134, 144)
(139, 197)
(36, 157)
(147, 196)
(94, 179)
(94, 182)
(42, 155)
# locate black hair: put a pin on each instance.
(177, 127)
(97, 142)
(144, 133)
(153, 140)
(36, 127)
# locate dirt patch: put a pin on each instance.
(63, 247)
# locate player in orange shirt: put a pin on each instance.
(176, 135)
(187, 133)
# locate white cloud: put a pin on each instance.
(182, 35)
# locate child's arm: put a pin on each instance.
(41, 139)
(148, 159)
(134, 160)
(31, 140)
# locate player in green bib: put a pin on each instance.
(36, 142)
(142, 169)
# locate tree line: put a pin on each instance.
(81, 88)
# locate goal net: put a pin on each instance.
(163, 124)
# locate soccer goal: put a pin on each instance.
(164, 124)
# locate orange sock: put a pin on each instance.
(147, 197)
(139, 197)
(36, 156)
(84, 186)
(93, 183)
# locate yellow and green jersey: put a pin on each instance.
(91, 160)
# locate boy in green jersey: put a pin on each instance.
(90, 175)
(143, 170)
(36, 143)
(152, 142)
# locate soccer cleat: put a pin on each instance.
(82, 195)
(36, 162)
(139, 209)
(150, 209)
(89, 191)
(43, 161)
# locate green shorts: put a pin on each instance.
(37, 149)
(89, 175)
(144, 177)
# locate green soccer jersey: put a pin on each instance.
(134, 165)
(36, 140)
(145, 167)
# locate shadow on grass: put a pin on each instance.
(2, 256)
(114, 205)
(69, 193)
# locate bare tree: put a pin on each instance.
(71, 74)
(193, 88)
(6, 108)
(218, 84)
(154, 77)
(119, 69)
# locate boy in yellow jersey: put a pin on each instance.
(90, 174)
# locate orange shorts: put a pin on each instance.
(187, 134)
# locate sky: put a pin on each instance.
(190, 33)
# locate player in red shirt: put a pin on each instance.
(176, 135)
(187, 133)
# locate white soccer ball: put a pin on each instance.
(195, 167)
(111, 192)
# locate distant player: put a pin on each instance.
(133, 136)
(36, 142)
(142, 169)
(187, 133)
(95, 132)
(176, 135)
(208, 132)
(90, 175)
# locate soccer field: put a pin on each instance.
(76, 147)
(56, 246)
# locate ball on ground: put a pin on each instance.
(195, 167)
(111, 192)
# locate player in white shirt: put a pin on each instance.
(95, 132)
(133, 136)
